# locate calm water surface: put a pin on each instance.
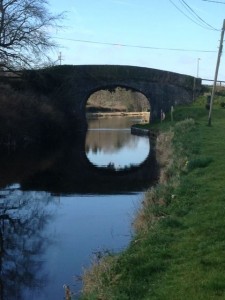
(58, 209)
(109, 143)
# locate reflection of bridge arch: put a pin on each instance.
(118, 172)
(73, 173)
(132, 179)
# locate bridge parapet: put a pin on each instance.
(118, 72)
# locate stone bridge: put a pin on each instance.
(74, 85)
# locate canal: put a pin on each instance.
(60, 208)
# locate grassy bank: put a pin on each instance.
(178, 248)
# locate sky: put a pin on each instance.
(172, 35)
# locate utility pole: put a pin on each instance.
(216, 72)
(60, 58)
(198, 60)
(194, 83)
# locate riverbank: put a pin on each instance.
(145, 115)
(177, 251)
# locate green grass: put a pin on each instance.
(182, 255)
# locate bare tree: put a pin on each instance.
(25, 32)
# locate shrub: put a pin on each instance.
(26, 118)
(200, 162)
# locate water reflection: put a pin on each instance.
(110, 144)
(46, 240)
(23, 242)
(57, 208)
(67, 170)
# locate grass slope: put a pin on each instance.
(195, 269)
(181, 253)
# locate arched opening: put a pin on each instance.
(117, 100)
(110, 115)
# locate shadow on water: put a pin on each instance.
(67, 170)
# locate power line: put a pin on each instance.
(135, 46)
(214, 1)
(196, 15)
(193, 20)
(177, 7)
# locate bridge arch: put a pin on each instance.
(120, 90)
(111, 87)
(74, 84)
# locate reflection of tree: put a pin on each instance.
(22, 220)
(95, 149)
(109, 141)
(112, 166)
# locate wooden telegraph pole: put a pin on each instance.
(60, 58)
(216, 72)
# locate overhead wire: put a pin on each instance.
(197, 20)
(214, 1)
(202, 24)
(135, 46)
(196, 15)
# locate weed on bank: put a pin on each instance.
(177, 251)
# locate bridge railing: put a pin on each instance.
(210, 82)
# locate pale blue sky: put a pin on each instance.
(146, 23)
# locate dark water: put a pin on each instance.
(60, 207)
